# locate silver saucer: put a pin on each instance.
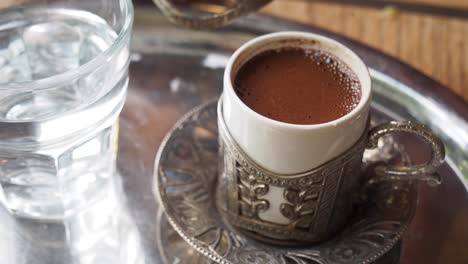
(173, 248)
(185, 180)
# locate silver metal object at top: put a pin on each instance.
(203, 15)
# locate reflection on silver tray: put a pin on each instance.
(185, 180)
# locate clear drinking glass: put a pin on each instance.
(63, 82)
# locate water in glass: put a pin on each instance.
(58, 139)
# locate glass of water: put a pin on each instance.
(63, 82)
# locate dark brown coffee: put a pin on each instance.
(298, 86)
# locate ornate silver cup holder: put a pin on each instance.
(185, 184)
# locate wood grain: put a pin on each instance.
(443, 3)
(435, 45)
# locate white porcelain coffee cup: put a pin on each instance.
(289, 183)
(285, 148)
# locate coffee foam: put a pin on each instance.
(330, 79)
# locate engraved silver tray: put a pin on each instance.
(174, 70)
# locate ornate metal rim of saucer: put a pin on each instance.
(185, 181)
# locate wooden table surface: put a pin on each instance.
(430, 35)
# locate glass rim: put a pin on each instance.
(51, 82)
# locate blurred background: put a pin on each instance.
(430, 35)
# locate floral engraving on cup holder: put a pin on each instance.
(301, 207)
(311, 203)
(249, 192)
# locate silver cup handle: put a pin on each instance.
(426, 172)
(230, 11)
